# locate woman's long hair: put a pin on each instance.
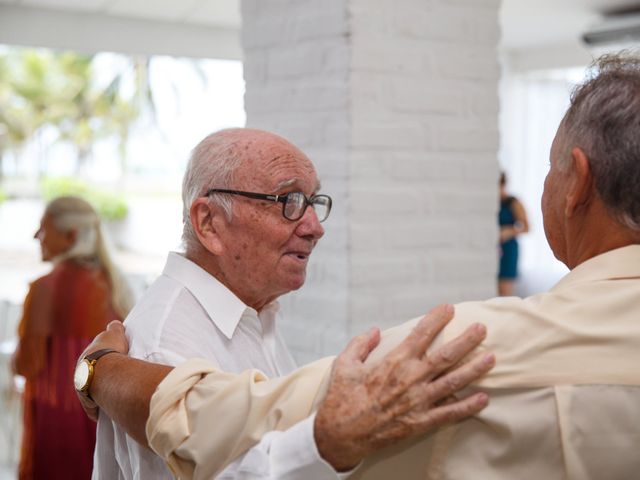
(74, 213)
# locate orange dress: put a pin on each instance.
(63, 311)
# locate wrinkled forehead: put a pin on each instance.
(273, 163)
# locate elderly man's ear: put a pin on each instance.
(208, 221)
(580, 191)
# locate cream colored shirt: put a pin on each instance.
(565, 393)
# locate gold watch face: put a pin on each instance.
(81, 375)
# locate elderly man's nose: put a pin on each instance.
(309, 225)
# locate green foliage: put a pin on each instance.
(109, 205)
(40, 88)
(3, 195)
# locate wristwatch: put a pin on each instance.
(83, 374)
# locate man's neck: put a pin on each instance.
(207, 262)
(594, 236)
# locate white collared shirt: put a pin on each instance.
(187, 313)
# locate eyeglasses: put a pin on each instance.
(294, 204)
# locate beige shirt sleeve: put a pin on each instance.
(201, 418)
(564, 393)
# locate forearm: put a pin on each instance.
(202, 419)
(512, 231)
(122, 387)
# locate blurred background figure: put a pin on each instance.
(512, 219)
(63, 310)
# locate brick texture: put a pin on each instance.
(397, 105)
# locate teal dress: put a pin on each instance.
(508, 250)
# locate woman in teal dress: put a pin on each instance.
(512, 219)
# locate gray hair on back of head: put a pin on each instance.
(74, 213)
(212, 164)
(604, 121)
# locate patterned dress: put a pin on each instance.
(63, 311)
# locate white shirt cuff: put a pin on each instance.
(298, 450)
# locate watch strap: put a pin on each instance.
(92, 357)
(91, 360)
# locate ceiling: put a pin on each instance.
(547, 34)
(545, 26)
(182, 28)
(224, 13)
(539, 23)
(529, 24)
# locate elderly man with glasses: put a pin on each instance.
(248, 235)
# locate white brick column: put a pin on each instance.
(396, 103)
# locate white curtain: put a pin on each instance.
(532, 105)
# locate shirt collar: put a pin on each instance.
(620, 263)
(220, 303)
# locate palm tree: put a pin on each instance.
(24, 98)
(93, 113)
(41, 88)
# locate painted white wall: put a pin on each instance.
(397, 105)
(424, 139)
(297, 58)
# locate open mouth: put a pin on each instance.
(299, 256)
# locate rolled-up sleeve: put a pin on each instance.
(288, 455)
(201, 419)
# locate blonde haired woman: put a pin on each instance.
(62, 312)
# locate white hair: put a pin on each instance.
(212, 164)
(74, 213)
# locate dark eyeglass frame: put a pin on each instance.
(284, 199)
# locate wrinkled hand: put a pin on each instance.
(407, 393)
(113, 337)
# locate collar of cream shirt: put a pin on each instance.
(614, 264)
(220, 303)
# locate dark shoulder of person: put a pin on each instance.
(508, 201)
